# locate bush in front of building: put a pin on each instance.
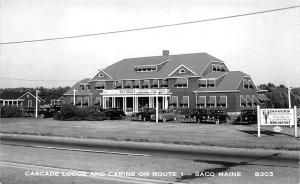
(71, 112)
(10, 111)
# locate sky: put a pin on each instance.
(265, 46)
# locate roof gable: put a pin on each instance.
(181, 71)
(101, 75)
(76, 86)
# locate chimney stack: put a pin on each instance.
(166, 52)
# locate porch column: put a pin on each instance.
(113, 102)
(137, 104)
(17, 103)
(125, 102)
(104, 102)
(166, 103)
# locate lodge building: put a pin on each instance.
(196, 80)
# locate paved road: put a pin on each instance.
(106, 165)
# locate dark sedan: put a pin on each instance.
(247, 116)
(113, 113)
(143, 115)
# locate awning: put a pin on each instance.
(136, 83)
(181, 81)
(145, 83)
(128, 84)
(100, 84)
(119, 84)
(142, 67)
(85, 101)
(173, 100)
(78, 101)
(97, 101)
(212, 100)
(154, 82)
(265, 97)
(164, 83)
(249, 99)
(246, 82)
(243, 100)
(184, 100)
(255, 100)
(202, 83)
(261, 99)
(201, 100)
(222, 100)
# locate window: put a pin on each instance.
(88, 87)
(81, 87)
(174, 101)
(100, 85)
(243, 101)
(101, 75)
(145, 84)
(203, 83)
(211, 102)
(29, 103)
(222, 101)
(185, 101)
(119, 85)
(201, 103)
(245, 84)
(214, 67)
(164, 84)
(182, 71)
(181, 83)
(211, 83)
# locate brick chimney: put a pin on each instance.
(166, 52)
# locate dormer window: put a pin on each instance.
(211, 83)
(182, 71)
(81, 87)
(214, 67)
(245, 84)
(146, 68)
(203, 83)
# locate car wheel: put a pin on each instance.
(217, 122)
(175, 118)
(144, 118)
(164, 119)
(42, 116)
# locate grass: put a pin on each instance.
(222, 135)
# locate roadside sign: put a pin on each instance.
(276, 117)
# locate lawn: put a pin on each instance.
(223, 135)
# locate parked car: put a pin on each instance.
(164, 115)
(113, 113)
(143, 115)
(247, 116)
(207, 116)
(216, 116)
(194, 116)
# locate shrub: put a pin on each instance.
(70, 112)
(10, 111)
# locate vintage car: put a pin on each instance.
(164, 115)
(247, 116)
(194, 116)
(216, 116)
(113, 113)
(143, 115)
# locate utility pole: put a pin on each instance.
(36, 103)
(74, 91)
(289, 96)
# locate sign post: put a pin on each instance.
(276, 117)
(258, 121)
(295, 120)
